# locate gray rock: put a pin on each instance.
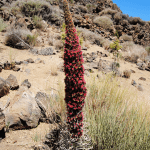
(16, 68)
(133, 83)
(30, 60)
(12, 82)
(46, 51)
(25, 62)
(23, 111)
(27, 71)
(84, 48)
(142, 66)
(34, 51)
(18, 62)
(2, 120)
(132, 71)
(142, 78)
(43, 102)
(26, 83)
(4, 87)
(140, 88)
(104, 55)
(139, 64)
(89, 59)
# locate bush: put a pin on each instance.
(82, 8)
(31, 39)
(33, 7)
(2, 25)
(12, 37)
(104, 22)
(37, 21)
(115, 121)
(126, 37)
(115, 45)
(148, 49)
(92, 37)
(134, 51)
(107, 11)
(118, 16)
(90, 7)
(15, 10)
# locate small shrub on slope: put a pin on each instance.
(2, 25)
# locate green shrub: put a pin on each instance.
(103, 21)
(15, 10)
(115, 121)
(32, 8)
(90, 7)
(115, 45)
(37, 22)
(2, 25)
(148, 49)
(31, 39)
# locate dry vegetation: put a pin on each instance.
(103, 21)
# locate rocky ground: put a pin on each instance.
(44, 74)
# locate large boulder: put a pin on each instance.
(12, 82)
(47, 114)
(23, 111)
(4, 87)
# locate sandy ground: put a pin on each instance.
(41, 80)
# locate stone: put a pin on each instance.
(2, 120)
(26, 83)
(38, 60)
(132, 71)
(30, 60)
(46, 51)
(23, 111)
(84, 48)
(16, 68)
(27, 71)
(7, 66)
(25, 62)
(104, 55)
(126, 73)
(89, 59)
(140, 88)
(12, 82)
(133, 83)
(18, 62)
(142, 67)
(4, 87)
(1, 69)
(43, 102)
(142, 78)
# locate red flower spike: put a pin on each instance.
(75, 84)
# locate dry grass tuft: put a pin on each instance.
(103, 21)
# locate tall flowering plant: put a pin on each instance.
(75, 90)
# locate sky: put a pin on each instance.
(135, 8)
